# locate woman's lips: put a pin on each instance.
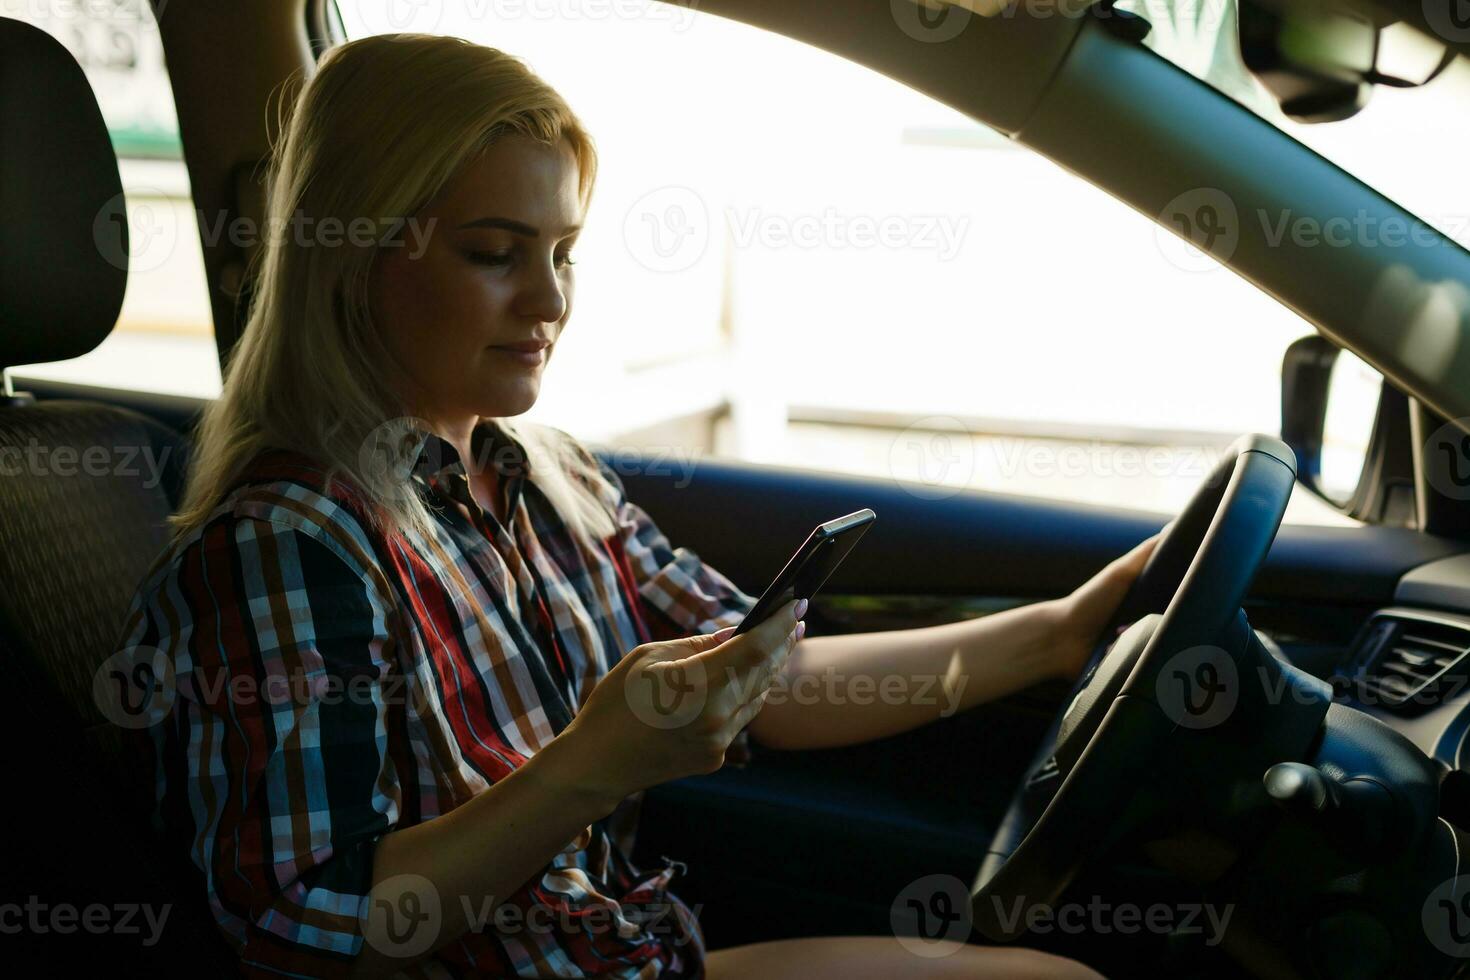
(531, 355)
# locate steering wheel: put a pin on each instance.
(1168, 684)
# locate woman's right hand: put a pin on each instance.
(670, 709)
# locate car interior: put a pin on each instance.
(1329, 810)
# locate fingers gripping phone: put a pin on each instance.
(809, 568)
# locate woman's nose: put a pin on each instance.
(543, 295)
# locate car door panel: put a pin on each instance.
(822, 841)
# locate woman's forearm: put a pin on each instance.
(842, 690)
(478, 854)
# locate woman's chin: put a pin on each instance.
(513, 398)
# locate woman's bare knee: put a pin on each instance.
(883, 957)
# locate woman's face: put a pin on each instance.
(495, 272)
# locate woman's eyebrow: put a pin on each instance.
(513, 226)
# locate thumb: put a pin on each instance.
(1137, 557)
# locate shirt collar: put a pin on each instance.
(490, 446)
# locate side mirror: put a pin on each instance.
(1339, 418)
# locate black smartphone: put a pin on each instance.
(813, 562)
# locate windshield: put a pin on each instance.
(1408, 144)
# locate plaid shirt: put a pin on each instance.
(327, 684)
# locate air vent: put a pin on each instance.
(1408, 661)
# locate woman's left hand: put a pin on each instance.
(1083, 615)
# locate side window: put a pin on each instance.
(164, 340)
(817, 266)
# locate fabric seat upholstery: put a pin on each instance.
(85, 489)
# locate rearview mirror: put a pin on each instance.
(1321, 61)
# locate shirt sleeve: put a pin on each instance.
(681, 594)
(273, 756)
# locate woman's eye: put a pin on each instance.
(565, 259)
(491, 258)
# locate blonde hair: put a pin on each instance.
(383, 125)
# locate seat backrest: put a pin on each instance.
(85, 489)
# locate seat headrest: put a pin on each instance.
(63, 220)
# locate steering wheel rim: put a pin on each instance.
(1187, 598)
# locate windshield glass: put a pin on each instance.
(1408, 144)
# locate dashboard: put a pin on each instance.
(1409, 665)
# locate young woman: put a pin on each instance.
(419, 655)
